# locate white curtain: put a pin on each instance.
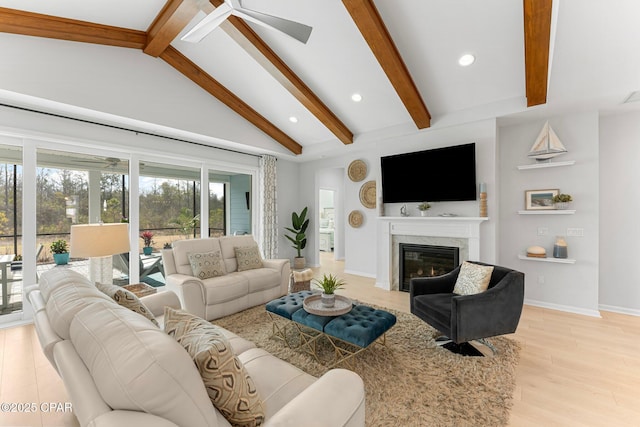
(269, 206)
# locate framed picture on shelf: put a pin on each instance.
(535, 200)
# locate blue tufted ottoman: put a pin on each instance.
(285, 307)
(359, 328)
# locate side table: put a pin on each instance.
(140, 289)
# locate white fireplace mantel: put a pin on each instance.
(455, 227)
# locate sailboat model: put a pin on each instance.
(547, 145)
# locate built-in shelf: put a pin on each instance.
(556, 260)
(546, 165)
(549, 212)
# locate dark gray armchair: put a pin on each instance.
(464, 318)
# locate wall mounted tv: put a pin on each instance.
(438, 175)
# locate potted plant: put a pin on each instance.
(561, 201)
(423, 208)
(298, 236)
(60, 251)
(147, 237)
(329, 284)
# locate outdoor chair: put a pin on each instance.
(151, 269)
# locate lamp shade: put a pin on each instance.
(99, 240)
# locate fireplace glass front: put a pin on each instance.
(425, 261)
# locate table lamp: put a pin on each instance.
(99, 242)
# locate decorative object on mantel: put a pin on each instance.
(560, 248)
(403, 210)
(423, 208)
(536, 252)
(355, 219)
(539, 199)
(357, 170)
(547, 145)
(368, 194)
(561, 201)
(483, 200)
(380, 206)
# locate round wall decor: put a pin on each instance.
(368, 194)
(357, 170)
(355, 219)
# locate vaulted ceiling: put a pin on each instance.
(123, 62)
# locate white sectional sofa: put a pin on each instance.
(231, 292)
(120, 369)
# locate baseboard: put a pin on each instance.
(13, 323)
(359, 273)
(560, 307)
(621, 310)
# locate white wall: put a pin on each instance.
(360, 243)
(562, 286)
(619, 207)
(288, 190)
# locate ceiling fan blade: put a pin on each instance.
(208, 24)
(293, 29)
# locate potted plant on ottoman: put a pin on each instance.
(60, 251)
(147, 237)
(329, 284)
(299, 238)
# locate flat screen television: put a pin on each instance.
(438, 175)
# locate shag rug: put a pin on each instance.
(410, 381)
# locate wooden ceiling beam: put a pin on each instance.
(368, 20)
(54, 27)
(237, 29)
(172, 19)
(537, 37)
(196, 74)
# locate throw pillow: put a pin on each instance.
(207, 264)
(248, 257)
(472, 279)
(228, 384)
(126, 299)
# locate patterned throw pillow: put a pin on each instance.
(228, 384)
(472, 279)
(248, 257)
(126, 299)
(207, 264)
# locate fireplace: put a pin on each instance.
(425, 261)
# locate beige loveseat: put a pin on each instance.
(120, 369)
(230, 292)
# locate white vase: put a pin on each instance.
(328, 300)
(423, 213)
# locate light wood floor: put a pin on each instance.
(574, 370)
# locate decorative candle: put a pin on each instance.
(483, 187)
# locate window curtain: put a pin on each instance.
(268, 201)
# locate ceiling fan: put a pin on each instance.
(293, 29)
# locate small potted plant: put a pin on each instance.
(423, 208)
(329, 284)
(147, 237)
(561, 201)
(60, 251)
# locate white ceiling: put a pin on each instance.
(595, 65)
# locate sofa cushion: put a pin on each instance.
(261, 279)
(137, 367)
(66, 300)
(228, 245)
(205, 265)
(126, 299)
(60, 276)
(472, 279)
(225, 288)
(248, 257)
(182, 248)
(228, 384)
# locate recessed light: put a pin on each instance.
(356, 97)
(293, 119)
(466, 60)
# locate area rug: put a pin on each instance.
(410, 381)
